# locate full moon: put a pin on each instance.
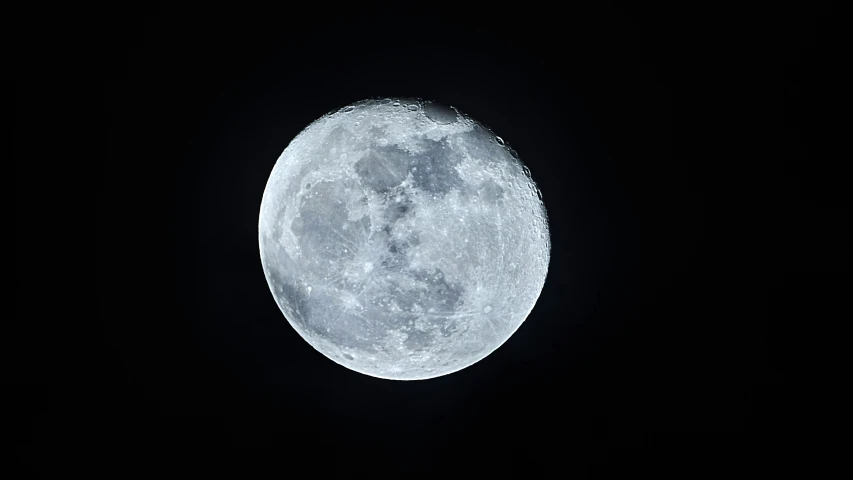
(403, 239)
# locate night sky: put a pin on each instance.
(689, 164)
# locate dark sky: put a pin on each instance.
(689, 162)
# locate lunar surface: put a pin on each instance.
(403, 239)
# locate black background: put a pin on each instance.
(690, 168)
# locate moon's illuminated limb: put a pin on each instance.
(402, 239)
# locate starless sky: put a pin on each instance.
(685, 157)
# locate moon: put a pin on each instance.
(403, 239)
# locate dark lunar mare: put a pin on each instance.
(432, 170)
